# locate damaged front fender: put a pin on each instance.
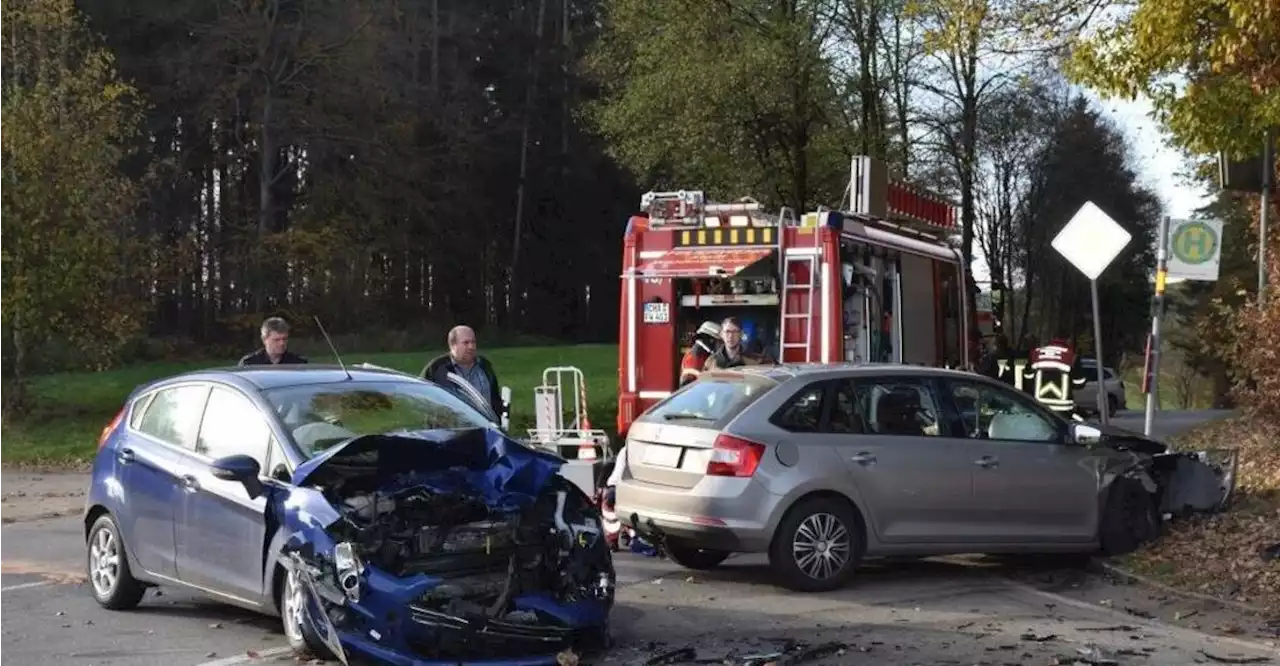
(1184, 482)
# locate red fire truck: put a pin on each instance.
(880, 282)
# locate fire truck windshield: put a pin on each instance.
(713, 399)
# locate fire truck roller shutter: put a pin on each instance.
(919, 311)
(906, 245)
(744, 261)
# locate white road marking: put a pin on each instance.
(24, 586)
(1126, 618)
(246, 659)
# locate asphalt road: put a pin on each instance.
(1166, 423)
(947, 611)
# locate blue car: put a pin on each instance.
(377, 513)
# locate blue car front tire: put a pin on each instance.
(298, 631)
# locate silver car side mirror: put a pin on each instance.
(1085, 435)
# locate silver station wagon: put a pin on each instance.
(821, 466)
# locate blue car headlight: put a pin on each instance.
(348, 568)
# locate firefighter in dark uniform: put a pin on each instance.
(1053, 368)
(275, 346)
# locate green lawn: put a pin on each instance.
(72, 408)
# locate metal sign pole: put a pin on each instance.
(1097, 352)
(1157, 311)
(1268, 173)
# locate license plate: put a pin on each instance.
(661, 456)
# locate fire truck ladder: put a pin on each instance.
(809, 289)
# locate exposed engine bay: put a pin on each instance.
(487, 556)
(450, 557)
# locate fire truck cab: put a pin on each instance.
(880, 282)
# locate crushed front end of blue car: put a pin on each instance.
(446, 546)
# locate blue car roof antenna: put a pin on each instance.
(329, 342)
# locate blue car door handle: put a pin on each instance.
(125, 456)
(190, 484)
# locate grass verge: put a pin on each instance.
(71, 408)
(1222, 555)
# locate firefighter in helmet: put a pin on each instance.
(704, 344)
(1053, 368)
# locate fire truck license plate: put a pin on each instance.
(657, 313)
(661, 456)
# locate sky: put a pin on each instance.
(1158, 165)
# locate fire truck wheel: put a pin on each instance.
(817, 546)
(694, 558)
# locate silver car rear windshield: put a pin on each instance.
(710, 402)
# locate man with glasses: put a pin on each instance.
(730, 352)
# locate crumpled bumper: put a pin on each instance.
(1195, 481)
(389, 626)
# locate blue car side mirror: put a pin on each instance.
(242, 469)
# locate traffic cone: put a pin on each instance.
(587, 450)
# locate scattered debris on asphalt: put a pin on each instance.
(1037, 638)
(673, 657)
(1235, 660)
(784, 652)
(1094, 656)
(1138, 612)
(1116, 627)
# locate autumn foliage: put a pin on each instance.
(1257, 345)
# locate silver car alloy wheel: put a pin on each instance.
(104, 562)
(821, 546)
(293, 604)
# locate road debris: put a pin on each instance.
(1235, 660)
(1138, 612)
(1116, 627)
(785, 652)
(673, 657)
(1091, 655)
(814, 653)
(1037, 638)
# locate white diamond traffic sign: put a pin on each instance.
(1091, 240)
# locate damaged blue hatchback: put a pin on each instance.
(397, 522)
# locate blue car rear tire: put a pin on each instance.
(107, 565)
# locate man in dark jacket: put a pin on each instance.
(730, 353)
(275, 345)
(463, 361)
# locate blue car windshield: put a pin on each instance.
(319, 416)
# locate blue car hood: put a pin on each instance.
(506, 472)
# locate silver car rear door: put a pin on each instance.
(916, 483)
